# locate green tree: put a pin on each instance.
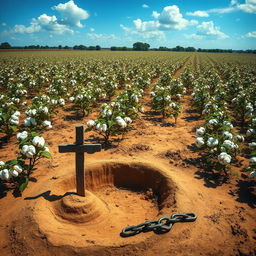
(5, 45)
(139, 46)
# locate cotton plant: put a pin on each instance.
(110, 122)
(38, 117)
(252, 166)
(13, 172)
(9, 120)
(242, 107)
(129, 101)
(218, 141)
(83, 100)
(163, 102)
(32, 148)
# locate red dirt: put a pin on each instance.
(49, 220)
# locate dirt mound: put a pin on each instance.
(119, 194)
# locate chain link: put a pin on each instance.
(160, 226)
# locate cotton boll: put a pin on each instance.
(47, 124)
(252, 160)
(17, 168)
(38, 141)
(14, 173)
(2, 163)
(6, 174)
(240, 138)
(128, 119)
(22, 135)
(90, 123)
(212, 142)
(224, 158)
(104, 127)
(250, 132)
(227, 135)
(28, 150)
(199, 142)
(14, 121)
(200, 131)
(252, 144)
(253, 174)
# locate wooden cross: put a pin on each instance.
(79, 148)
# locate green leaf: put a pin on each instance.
(23, 183)
(46, 154)
(12, 162)
(253, 153)
(14, 128)
(34, 134)
(87, 129)
(235, 173)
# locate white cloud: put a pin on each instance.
(249, 6)
(92, 29)
(71, 14)
(233, 2)
(222, 10)
(251, 34)
(43, 22)
(21, 29)
(144, 26)
(207, 29)
(145, 6)
(3, 24)
(198, 14)
(171, 19)
(50, 23)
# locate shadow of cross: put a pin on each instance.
(79, 148)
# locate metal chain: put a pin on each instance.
(160, 226)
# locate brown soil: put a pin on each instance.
(151, 173)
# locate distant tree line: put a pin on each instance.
(138, 46)
(90, 48)
(176, 49)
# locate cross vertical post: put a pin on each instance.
(80, 177)
(80, 148)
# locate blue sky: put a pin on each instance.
(205, 24)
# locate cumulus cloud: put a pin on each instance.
(198, 14)
(251, 34)
(169, 19)
(71, 14)
(145, 6)
(3, 24)
(249, 6)
(21, 29)
(208, 29)
(43, 22)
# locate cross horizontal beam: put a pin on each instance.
(88, 148)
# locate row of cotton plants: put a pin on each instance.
(166, 96)
(225, 103)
